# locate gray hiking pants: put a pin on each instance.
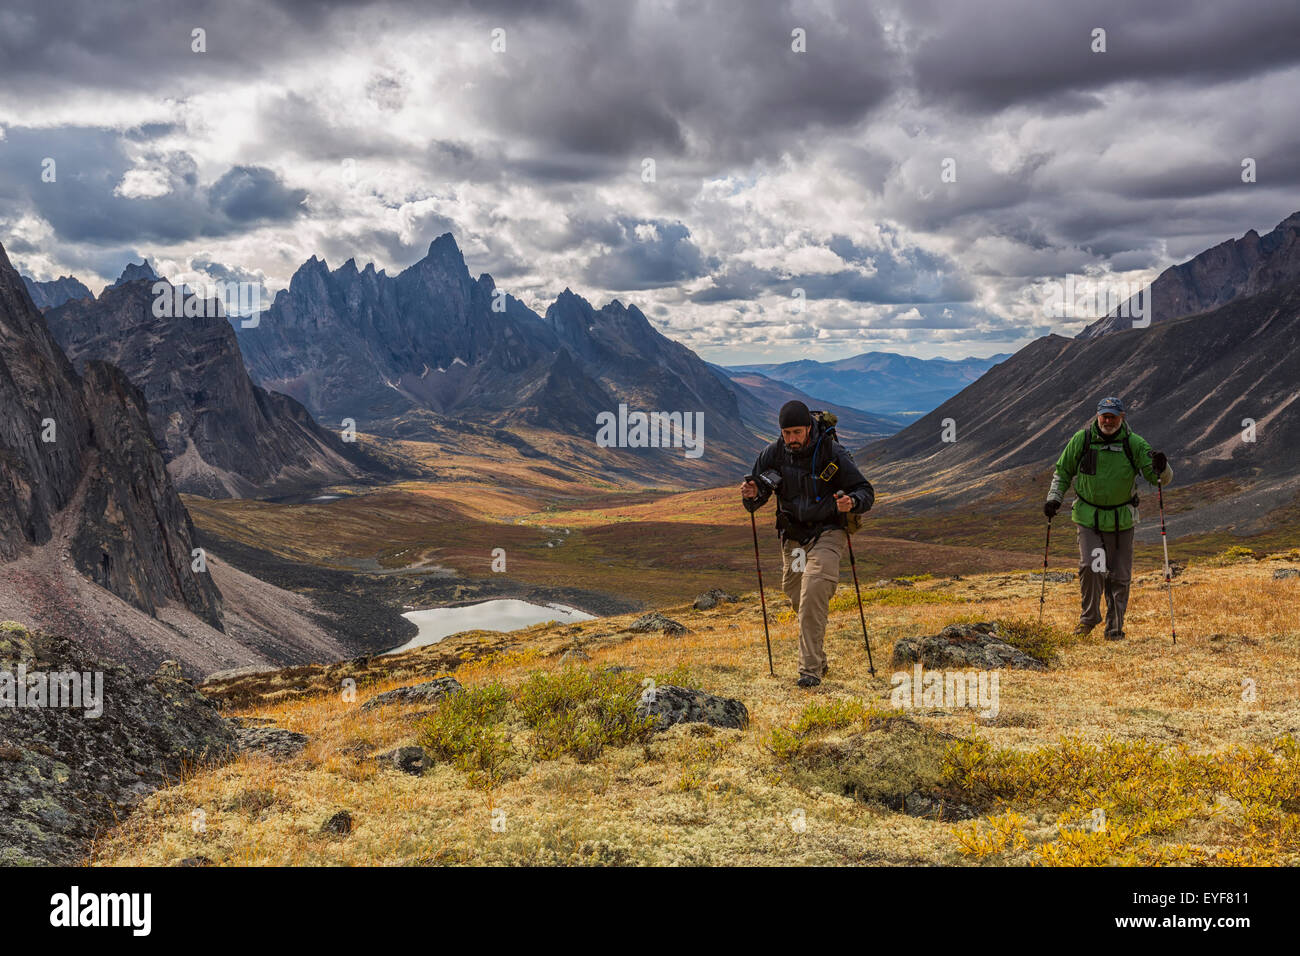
(1105, 566)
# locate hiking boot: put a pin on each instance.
(807, 681)
(826, 669)
(1083, 629)
(1115, 637)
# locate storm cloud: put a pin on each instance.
(916, 170)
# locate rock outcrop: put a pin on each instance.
(712, 598)
(412, 760)
(430, 692)
(654, 621)
(66, 773)
(962, 647)
(278, 743)
(670, 704)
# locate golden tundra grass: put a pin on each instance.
(1162, 741)
(653, 545)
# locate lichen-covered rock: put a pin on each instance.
(1053, 577)
(340, 824)
(430, 692)
(655, 621)
(275, 742)
(1283, 573)
(964, 646)
(574, 655)
(170, 670)
(712, 598)
(670, 705)
(66, 775)
(412, 760)
(918, 804)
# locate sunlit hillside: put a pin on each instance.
(1134, 752)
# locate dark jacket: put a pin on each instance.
(805, 504)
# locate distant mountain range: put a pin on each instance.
(880, 383)
(1231, 270)
(1193, 386)
(413, 355)
(761, 399)
(402, 354)
(221, 435)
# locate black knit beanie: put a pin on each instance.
(795, 414)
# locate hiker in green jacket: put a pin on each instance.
(1103, 460)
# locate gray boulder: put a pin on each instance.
(712, 598)
(412, 760)
(962, 647)
(670, 705)
(657, 622)
(430, 692)
(1282, 573)
(276, 742)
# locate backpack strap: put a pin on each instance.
(1128, 452)
(1123, 441)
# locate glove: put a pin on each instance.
(1050, 508)
(1159, 462)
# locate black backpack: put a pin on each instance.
(827, 421)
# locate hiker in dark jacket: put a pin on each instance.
(1103, 460)
(816, 484)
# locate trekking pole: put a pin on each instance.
(1042, 596)
(753, 524)
(1169, 578)
(861, 616)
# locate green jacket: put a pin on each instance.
(1112, 482)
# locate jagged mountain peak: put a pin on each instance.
(444, 245)
(387, 346)
(55, 292)
(1232, 269)
(443, 258)
(134, 271)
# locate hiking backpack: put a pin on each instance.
(827, 422)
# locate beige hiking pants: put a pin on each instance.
(810, 593)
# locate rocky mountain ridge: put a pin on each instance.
(221, 435)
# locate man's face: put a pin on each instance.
(795, 438)
(1108, 422)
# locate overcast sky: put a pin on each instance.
(365, 130)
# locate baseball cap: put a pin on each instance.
(1112, 405)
